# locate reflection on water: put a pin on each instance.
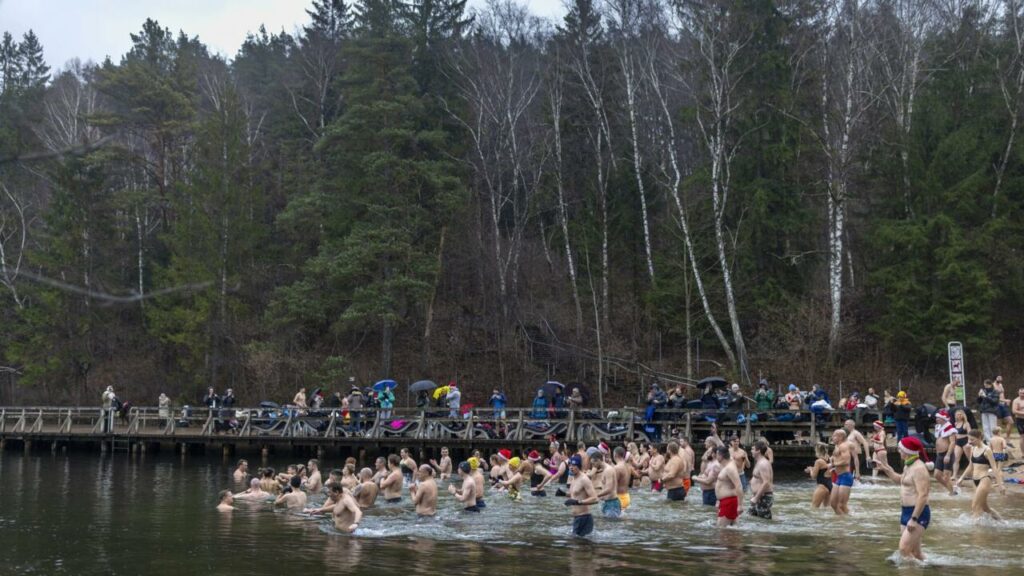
(83, 513)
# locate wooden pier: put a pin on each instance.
(265, 429)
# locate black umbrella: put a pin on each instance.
(712, 382)
(269, 405)
(552, 388)
(315, 392)
(422, 385)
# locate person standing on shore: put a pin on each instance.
(1018, 415)
(107, 402)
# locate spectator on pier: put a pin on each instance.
(540, 405)
(300, 398)
(656, 396)
(576, 399)
(355, 406)
(793, 399)
(764, 398)
(335, 401)
(107, 414)
(228, 400)
(498, 403)
(901, 411)
(211, 400)
(163, 404)
(454, 400)
(423, 400)
(677, 398)
(852, 402)
(386, 399)
(988, 404)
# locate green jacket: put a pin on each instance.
(765, 399)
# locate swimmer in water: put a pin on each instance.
(407, 465)
(242, 471)
(728, 488)
(858, 444)
(623, 476)
(762, 482)
(346, 511)
(443, 467)
(581, 496)
(367, 490)
(349, 480)
(842, 461)
(673, 474)
(255, 492)
(392, 484)
(689, 456)
(878, 450)
(478, 477)
(314, 483)
(709, 477)
(467, 494)
(536, 472)
(819, 472)
(604, 484)
(655, 467)
(424, 492)
(293, 498)
(515, 481)
(328, 506)
(226, 501)
(380, 469)
(914, 486)
(268, 482)
(984, 470)
(738, 454)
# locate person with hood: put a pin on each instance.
(901, 411)
(355, 406)
(540, 405)
(498, 403)
(764, 398)
(454, 400)
(386, 399)
(163, 404)
(988, 404)
(107, 413)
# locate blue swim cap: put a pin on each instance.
(792, 387)
(576, 461)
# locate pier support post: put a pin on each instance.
(226, 450)
(28, 445)
(142, 447)
(265, 451)
(3, 443)
(103, 446)
(53, 447)
(184, 449)
(320, 452)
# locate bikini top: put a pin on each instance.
(981, 458)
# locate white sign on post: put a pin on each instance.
(956, 369)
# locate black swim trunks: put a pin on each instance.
(393, 500)
(763, 508)
(676, 494)
(582, 525)
(480, 503)
(471, 509)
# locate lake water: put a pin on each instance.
(85, 513)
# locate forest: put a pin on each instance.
(808, 191)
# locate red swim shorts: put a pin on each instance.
(687, 485)
(729, 507)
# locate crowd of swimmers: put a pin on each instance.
(598, 479)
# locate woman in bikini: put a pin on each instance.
(819, 472)
(982, 467)
(962, 428)
(878, 449)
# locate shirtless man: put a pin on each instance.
(268, 483)
(444, 466)
(728, 488)
(709, 477)
(242, 471)
(255, 492)
(655, 468)
(367, 490)
(380, 471)
(914, 486)
(842, 457)
(581, 496)
(672, 474)
(392, 484)
(478, 477)
(949, 396)
(346, 511)
(738, 454)
(328, 506)
(468, 493)
(945, 436)
(293, 498)
(314, 483)
(859, 444)
(226, 499)
(604, 485)
(762, 482)
(1018, 413)
(623, 476)
(689, 457)
(424, 492)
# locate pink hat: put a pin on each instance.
(911, 446)
(533, 456)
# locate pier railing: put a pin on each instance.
(524, 425)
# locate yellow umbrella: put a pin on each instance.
(440, 391)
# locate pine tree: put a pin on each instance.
(34, 72)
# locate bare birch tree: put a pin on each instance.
(1011, 86)
(718, 38)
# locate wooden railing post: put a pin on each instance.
(520, 426)
(469, 427)
(814, 429)
(570, 434)
(689, 426)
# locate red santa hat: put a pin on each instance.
(911, 446)
(879, 424)
(505, 453)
